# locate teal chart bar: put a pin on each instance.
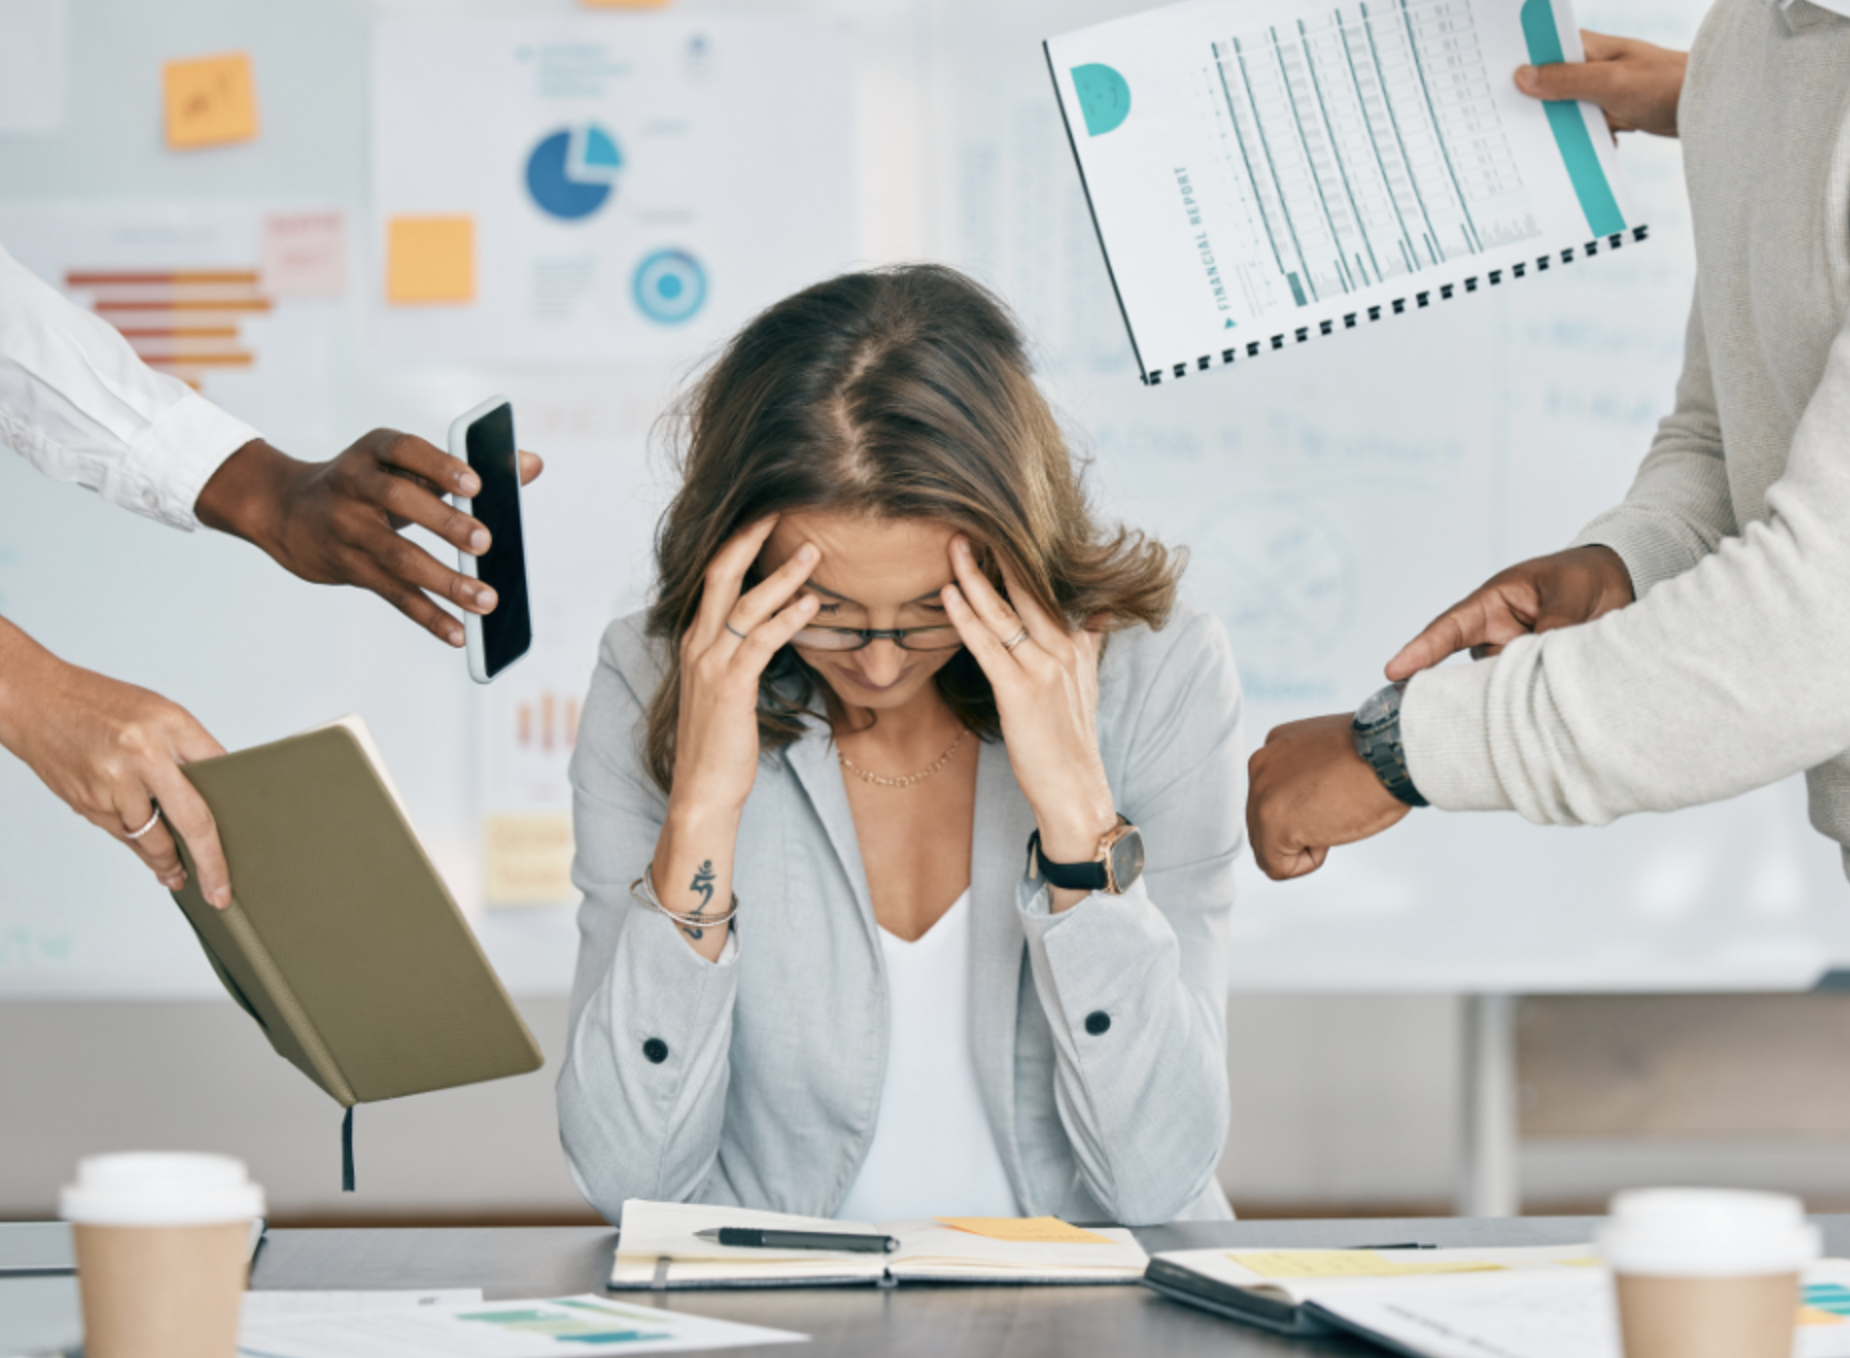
(1570, 129)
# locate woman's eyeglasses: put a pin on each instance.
(939, 638)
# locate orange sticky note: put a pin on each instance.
(211, 101)
(429, 260)
(1025, 1230)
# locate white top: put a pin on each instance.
(933, 1152)
(80, 406)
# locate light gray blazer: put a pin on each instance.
(1100, 1033)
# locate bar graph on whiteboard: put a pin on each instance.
(235, 297)
(187, 322)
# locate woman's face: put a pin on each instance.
(878, 574)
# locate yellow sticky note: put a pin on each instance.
(527, 858)
(429, 259)
(1283, 1264)
(1025, 1230)
(211, 101)
(1811, 1315)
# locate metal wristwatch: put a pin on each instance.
(1119, 862)
(1377, 740)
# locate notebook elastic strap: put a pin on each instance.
(346, 1151)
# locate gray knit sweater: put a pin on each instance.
(1733, 668)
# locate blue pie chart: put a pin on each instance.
(573, 171)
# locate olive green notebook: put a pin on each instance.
(341, 939)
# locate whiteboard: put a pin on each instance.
(1334, 498)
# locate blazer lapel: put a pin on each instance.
(812, 760)
(998, 852)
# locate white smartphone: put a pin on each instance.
(484, 438)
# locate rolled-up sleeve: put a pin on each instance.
(642, 1091)
(77, 403)
(1135, 986)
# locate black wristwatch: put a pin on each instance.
(1377, 739)
(1118, 864)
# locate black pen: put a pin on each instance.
(1407, 1246)
(746, 1238)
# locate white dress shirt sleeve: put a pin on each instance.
(78, 404)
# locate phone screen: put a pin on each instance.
(508, 631)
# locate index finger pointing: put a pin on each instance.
(1441, 637)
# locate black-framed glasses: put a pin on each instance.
(939, 638)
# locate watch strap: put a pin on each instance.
(1067, 876)
(1377, 740)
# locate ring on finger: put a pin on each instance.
(1015, 640)
(153, 819)
(735, 631)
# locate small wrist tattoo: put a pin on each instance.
(702, 885)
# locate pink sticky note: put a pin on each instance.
(304, 254)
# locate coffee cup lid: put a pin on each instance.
(160, 1188)
(1707, 1232)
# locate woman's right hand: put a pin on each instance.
(723, 656)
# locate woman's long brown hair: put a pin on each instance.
(900, 393)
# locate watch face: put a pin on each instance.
(1127, 858)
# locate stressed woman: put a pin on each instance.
(907, 814)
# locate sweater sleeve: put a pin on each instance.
(1679, 508)
(1725, 677)
(1134, 987)
(642, 1090)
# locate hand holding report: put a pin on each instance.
(1265, 171)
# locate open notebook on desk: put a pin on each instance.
(658, 1248)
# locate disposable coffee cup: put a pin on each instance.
(163, 1252)
(1707, 1273)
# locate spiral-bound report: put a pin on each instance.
(1263, 172)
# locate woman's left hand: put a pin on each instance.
(1046, 686)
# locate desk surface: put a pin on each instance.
(930, 1322)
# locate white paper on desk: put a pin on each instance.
(1571, 1314)
(585, 1325)
(265, 1306)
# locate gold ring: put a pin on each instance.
(1015, 640)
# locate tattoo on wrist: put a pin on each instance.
(702, 885)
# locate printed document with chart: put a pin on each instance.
(1262, 172)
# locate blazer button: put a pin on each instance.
(657, 1050)
(1098, 1022)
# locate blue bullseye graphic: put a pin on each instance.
(669, 286)
(573, 171)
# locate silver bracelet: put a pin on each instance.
(643, 890)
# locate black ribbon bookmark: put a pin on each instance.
(346, 1151)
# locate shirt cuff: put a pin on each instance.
(171, 462)
(1445, 731)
